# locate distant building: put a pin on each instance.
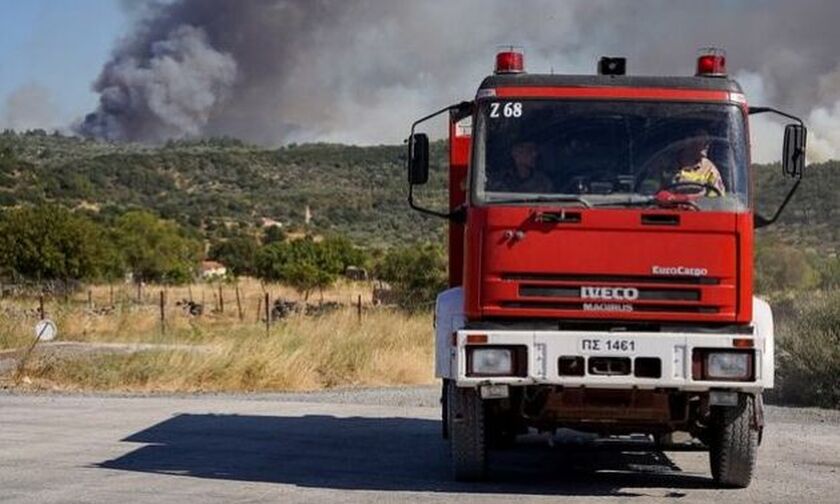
(211, 270)
(266, 222)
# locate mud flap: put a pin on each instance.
(758, 415)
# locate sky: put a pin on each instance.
(359, 71)
(57, 48)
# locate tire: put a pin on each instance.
(733, 443)
(466, 434)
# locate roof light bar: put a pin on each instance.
(510, 60)
(711, 62)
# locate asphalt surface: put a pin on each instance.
(359, 446)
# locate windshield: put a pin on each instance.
(611, 154)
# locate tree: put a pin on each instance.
(302, 264)
(51, 243)
(417, 274)
(238, 254)
(343, 253)
(273, 234)
(270, 260)
(155, 250)
(305, 276)
(312, 266)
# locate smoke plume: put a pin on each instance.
(169, 91)
(27, 107)
(275, 71)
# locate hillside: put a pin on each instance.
(223, 184)
(812, 218)
(215, 186)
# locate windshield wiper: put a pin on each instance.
(545, 199)
(630, 202)
(650, 201)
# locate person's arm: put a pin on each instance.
(714, 177)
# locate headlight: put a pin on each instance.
(728, 365)
(490, 361)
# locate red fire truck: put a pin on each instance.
(601, 261)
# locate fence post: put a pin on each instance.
(162, 312)
(239, 304)
(90, 299)
(221, 300)
(267, 316)
(359, 307)
(41, 313)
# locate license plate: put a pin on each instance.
(607, 345)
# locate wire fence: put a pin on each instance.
(244, 302)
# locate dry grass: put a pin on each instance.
(117, 314)
(300, 353)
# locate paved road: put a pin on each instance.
(360, 446)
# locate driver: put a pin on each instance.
(694, 165)
(524, 177)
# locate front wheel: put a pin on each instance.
(733, 443)
(466, 433)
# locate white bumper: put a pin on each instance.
(544, 348)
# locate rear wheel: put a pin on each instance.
(466, 433)
(733, 443)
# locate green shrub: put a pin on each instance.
(829, 270)
(782, 267)
(808, 354)
(417, 274)
(305, 264)
(156, 250)
(49, 242)
(238, 254)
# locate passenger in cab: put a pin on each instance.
(523, 176)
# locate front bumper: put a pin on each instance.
(673, 349)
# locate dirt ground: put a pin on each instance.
(374, 445)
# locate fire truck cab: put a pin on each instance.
(601, 261)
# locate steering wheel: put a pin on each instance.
(698, 185)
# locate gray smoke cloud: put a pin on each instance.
(358, 71)
(168, 91)
(28, 107)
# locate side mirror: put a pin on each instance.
(418, 159)
(793, 154)
(793, 159)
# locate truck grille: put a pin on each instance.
(548, 305)
(616, 294)
(645, 294)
